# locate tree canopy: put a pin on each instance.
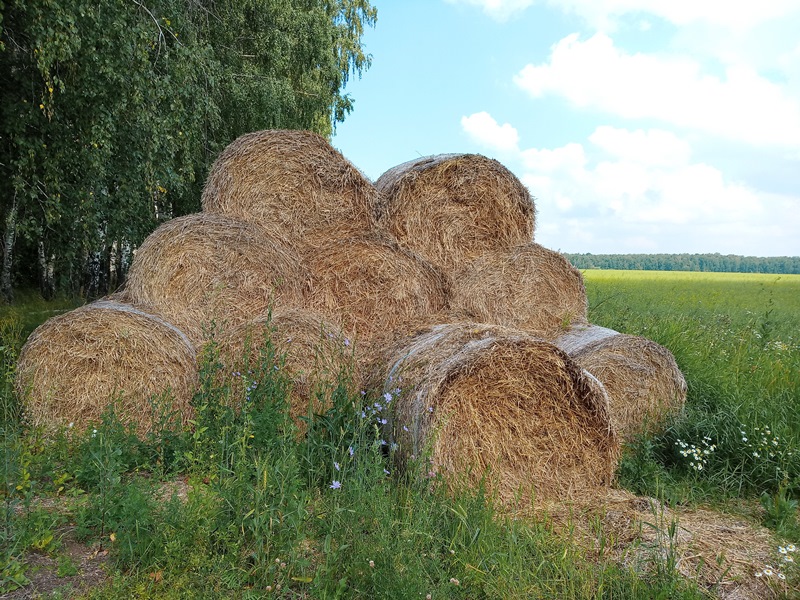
(111, 113)
(727, 263)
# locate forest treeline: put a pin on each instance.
(723, 263)
(111, 113)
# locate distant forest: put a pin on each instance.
(728, 263)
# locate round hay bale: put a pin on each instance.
(644, 384)
(481, 398)
(315, 354)
(452, 208)
(289, 182)
(202, 268)
(75, 364)
(373, 287)
(528, 287)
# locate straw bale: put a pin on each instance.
(372, 287)
(315, 353)
(202, 268)
(75, 364)
(643, 381)
(452, 208)
(482, 398)
(289, 182)
(527, 287)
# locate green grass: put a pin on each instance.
(736, 337)
(263, 511)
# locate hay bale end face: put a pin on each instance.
(453, 208)
(315, 354)
(528, 287)
(202, 268)
(75, 364)
(644, 384)
(485, 400)
(372, 287)
(291, 183)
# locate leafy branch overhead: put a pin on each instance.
(112, 113)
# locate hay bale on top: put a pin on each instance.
(315, 353)
(372, 286)
(644, 384)
(453, 208)
(528, 287)
(485, 397)
(199, 268)
(289, 182)
(75, 364)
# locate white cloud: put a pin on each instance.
(641, 191)
(651, 147)
(735, 15)
(499, 10)
(730, 14)
(482, 128)
(594, 74)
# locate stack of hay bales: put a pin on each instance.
(430, 277)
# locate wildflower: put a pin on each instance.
(788, 559)
(768, 572)
(336, 484)
(428, 597)
(336, 466)
(782, 550)
(405, 428)
(283, 565)
(758, 574)
(372, 564)
(454, 581)
(388, 396)
(430, 409)
(756, 454)
(350, 450)
(382, 421)
(386, 471)
(791, 548)
(781, 576)
(277, 561)
(346, 342)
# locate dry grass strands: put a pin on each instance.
(289, 182)
(75, 364)
(315, 354)
(643, 381)
(372, 286)
(202, 268)
(485, 400)
(453, 208)
(720, 552)
(528, 287)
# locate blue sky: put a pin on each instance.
(638, 125)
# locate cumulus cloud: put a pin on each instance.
(641, 190)
(482, 128)
(736, 15)
(595, 74)
(499, 10)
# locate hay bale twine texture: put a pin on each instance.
(314, 352)
(75, 364)
(527, 287)
(644, 384)
(202, 268)
(373, 287)
(291, 183)
(452, 208)
(488, 398)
